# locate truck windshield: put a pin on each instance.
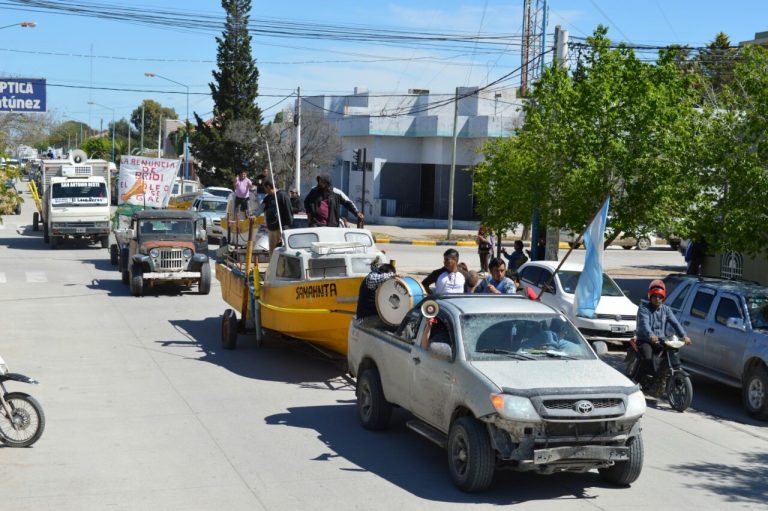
(758, 311)
(522, 336)
(166, 227)
(79, 193)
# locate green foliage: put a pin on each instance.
(100, 147)
(154, 114)
(227, 143)
(9, 196)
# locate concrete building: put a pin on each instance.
(761, 38)
(408, 141)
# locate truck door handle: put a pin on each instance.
(686, 322)
(710, 330)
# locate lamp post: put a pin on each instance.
(186, 121)
(113, 126)
(23, 24)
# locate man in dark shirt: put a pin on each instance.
(323, 204)
(449, 257)
(276, 202)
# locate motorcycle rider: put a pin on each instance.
(654, 319)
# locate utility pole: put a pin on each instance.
(364, 156)
(142, 128)
(159, 138)
(129, 138)
(453, 162)
(297, 123)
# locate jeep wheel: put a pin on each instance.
(755, 392)
(137, 280)
(624, 473)
(372, 408)
(643, 244)
(35, 221)
(113, 254)
(204, 286)
(471, 459)
(104, 241)
(229, 330)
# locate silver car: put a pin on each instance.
(213, 208)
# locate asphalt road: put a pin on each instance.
(145, 411)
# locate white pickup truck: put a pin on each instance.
(499, 380)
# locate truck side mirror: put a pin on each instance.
(601, 349)
(441, 351)
(736, 323)
(201, 236)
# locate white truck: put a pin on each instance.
(499, 381)
(74, 200)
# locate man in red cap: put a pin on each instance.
(655, 321)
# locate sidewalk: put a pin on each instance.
(428, 236)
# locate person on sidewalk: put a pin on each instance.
(276, 202)
(448, 279)
(486, 245)
(323, 204)
(695, 254)
(517, 258)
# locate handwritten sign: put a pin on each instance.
(146, 181)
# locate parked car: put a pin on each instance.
(728, 323)
(213, 208)
(623, 241)
(219, 191)
(616, 315)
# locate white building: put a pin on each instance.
(408, 141)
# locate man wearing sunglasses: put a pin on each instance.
(655, 321)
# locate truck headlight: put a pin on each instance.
(635, 404)
(515, 407)
(187, 253)
(154, 253)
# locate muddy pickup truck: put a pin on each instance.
(499, 380)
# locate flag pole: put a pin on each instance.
(571, 249)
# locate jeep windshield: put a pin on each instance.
(522, 337)
(79, 193)
(165, 228)
(758, 311)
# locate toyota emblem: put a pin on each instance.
(584, 407)
(618, 317)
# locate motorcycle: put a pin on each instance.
(668, 377)
(21, 417)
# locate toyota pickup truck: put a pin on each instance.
(499, 380)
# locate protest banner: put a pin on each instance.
(146, 182)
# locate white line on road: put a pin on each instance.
(36, 277)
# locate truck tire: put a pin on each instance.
(471, 460)
(624, 473)
(204, 286)
(755, 392)
(372, 408)
(137, 280)
(35, 221)
(229, 330)
(643, 244)
(114, 253)
(46, 238)
(104, 241)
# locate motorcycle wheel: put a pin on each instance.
(27, 415)
(680, 391)
(631, 361)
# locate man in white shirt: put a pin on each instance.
(450, 281)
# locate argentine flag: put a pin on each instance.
(590, 285)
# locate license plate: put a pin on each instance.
(619, 329)
(80, 230)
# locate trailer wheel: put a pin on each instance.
(113, 254)
(35, 221)
(229, 330)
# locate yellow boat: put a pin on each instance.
(308, 291)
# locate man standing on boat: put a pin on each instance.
(323, 204)
(276, 202)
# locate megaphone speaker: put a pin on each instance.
(429, 309)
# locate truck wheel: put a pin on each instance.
(755, 392)
(104, 241)
(471, 460)
(624, 473)
(372, 408)
(46, 238)
(204, 286)
(643, 244)
(229, 330)
(137, 280)
(35, 221)
(113, 254)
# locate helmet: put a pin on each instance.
(657, 287)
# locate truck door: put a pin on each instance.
(695, 322)
(396, 365)
(433, 377)
(728, 343)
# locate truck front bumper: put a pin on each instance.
(172, 275)
(580, 452)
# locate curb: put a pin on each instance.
(429, 243)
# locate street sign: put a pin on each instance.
(22, 95)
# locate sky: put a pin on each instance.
(83, 57)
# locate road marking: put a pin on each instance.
(36, 277)
(3, 280)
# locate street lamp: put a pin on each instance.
(113, 126)
(186, 122)
(23, 24)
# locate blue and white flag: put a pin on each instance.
(590, 285)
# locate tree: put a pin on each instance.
(320, 146)
(101, 147)
(228, 143)
(154, 114)
(18, 129)
(716, 64)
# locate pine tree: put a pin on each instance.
(227, 143)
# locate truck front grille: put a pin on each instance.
(171, 259)
(579, 408)
(612, 317)
(568, 404)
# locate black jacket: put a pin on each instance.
(336, 199)
(270, 211)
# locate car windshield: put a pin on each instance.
(522, 337)
(758, 311)
(220, 192)
(569, 280)
(78, 193)
(213, 205)
(166, 227)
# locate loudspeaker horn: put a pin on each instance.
(78, 156)
(429, 309)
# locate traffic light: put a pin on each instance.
(356, 155)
